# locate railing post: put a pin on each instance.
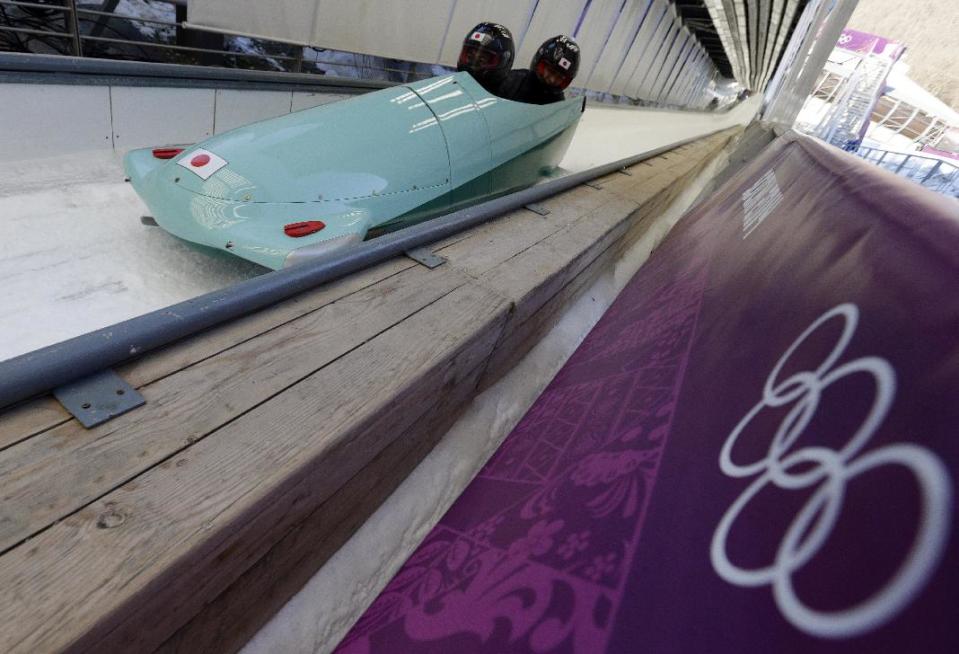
(75, 28)
(932, 172)
(109, 6)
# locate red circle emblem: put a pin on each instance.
(200, 160)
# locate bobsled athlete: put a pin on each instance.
(487, 55)
(554, 66)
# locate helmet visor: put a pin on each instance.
(474, 57)
(552, 75)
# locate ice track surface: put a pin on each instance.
(75, 257)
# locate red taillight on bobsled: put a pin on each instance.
(305, 228)
(166, 153)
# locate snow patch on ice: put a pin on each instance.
(76, 257)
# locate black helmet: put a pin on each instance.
(487, 54)
(556, 62)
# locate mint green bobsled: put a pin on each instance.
(374, 162)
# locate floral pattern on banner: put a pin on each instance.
(534, 554)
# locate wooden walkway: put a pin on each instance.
(185, 524)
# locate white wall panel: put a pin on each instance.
(619, 41)
(413, 30)
(789, 13)
(236, 108)
(685, 57)
(652, 59)
(775, 20)
(682, 58)
(764, 34)
(670, 61)
(752, 31)
(143, 117)
(288, 20)
(695, 70)
(660, 63)
(43, 120)
(515, 15)
(594, 33)
(625, 43)
(551, 18)
(657, 23)
(639, 45)
(303, 100)
(698, 68)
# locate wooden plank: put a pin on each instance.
(524, 336)
(247, 461)
(49, 477)
(39, 415)
(29, 419)
(521, 335)
(666, 168)
(531, 279)
(26, 471)
(120, 574)
(494, 243)
(229, 621)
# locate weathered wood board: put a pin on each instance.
(265, 443)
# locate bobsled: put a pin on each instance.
(294, 188)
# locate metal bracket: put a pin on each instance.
(623, 171)
(95, 399)
(537, 208)
(595, 185)
(426, 257)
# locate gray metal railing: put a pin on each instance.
(41, 370)
(72, 32)
(931, 172)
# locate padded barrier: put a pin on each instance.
(755, 448)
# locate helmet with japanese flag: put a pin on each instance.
(487, 54)
(556, 62)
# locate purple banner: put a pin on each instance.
(940, 153)
(755, 449)
(863, 42)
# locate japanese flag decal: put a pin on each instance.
(202, 163)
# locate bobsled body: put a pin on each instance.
(376, 161)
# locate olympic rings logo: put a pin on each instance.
(831, 470)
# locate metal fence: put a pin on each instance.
(931, 172)
(75, 30)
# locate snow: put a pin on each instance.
(148, 10)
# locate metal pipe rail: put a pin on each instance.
(39, 67)
(73, 14)
(42, 370)
(940, 176)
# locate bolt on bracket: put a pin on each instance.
(95, 399)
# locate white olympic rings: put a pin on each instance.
(832, 470)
